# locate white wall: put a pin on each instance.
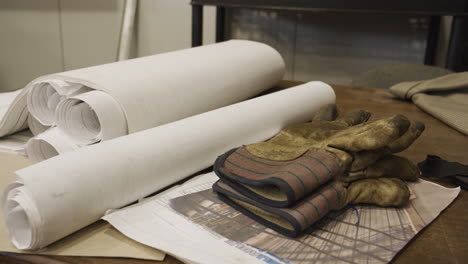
(90, 31)
(38, 37)
(29, 41)
(165, 25)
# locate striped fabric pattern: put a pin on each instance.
(300, 216)
(296, 178)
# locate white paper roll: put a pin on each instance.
(157, 89)
(48, 144)
(163, 88)
(35, 126)
(56, 197)
(44, 96)
(91, 117)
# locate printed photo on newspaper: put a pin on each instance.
(363, 234)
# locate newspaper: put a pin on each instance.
(212, 229)
(13, 112)
(6, 100)
(14, 143)
(154, 223)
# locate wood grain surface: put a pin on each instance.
(443, 241)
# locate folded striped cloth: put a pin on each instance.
(287, 221)
(276, 183)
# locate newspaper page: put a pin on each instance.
(362, 234)
(14, 143)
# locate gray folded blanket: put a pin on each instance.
(445, 97)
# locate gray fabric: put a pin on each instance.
(446, 98)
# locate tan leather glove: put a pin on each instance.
(303, 157)
(356, 143)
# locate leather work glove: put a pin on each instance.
(334, 195)
(383, 137)
(307, 170)
(301, 158)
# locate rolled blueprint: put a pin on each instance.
(35, 126)
(166, 87)
(56, 197)
(44, 96)
(91, 117)
(48, 144)
(153, 90)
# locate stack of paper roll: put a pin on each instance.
(64, 117)
(58, 196)
(179, 110)
(82, 107)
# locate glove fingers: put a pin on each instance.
(364, 159)
(390, 166)
(379, 191)
(328, 112)
(370, 136)
(402, 143)
(394, 166)
(354, 117)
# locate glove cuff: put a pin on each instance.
(276, 183)
(287, 221)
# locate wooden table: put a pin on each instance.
(443, 241)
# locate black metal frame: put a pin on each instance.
(220, 23)
(457, 54)
(432, 40)
(197, 25)
(428, 7)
